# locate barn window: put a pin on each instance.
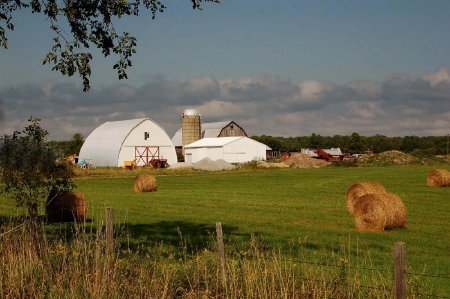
(146, 135)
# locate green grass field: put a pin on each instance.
(302, 212)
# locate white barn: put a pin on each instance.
(136, 139)
(239, 149)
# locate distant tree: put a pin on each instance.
(76, 143)
(421, 146)
(270, 141)
(78, 25)
(315, 141)
(30, 167)
(355, 143)
(72, 146)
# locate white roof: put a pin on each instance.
(219, 142)
(191, 112)
(213, 142)
(209, 130)
(336, 151)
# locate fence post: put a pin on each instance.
(109, 230)
(221, 251)
(400, 270)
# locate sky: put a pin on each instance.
(280, 68)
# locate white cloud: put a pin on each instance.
(312, 90)
(441, 75)
(262, 104)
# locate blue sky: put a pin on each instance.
(275, 67)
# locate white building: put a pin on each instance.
(139, 140)
(239, 149)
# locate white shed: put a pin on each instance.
(238, 149)
(136, 139)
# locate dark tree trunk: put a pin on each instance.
(33, 214)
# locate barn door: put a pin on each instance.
(143, 155)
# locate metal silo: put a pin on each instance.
(191, 127)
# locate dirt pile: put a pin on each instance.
(387, 158)
(264, 164)
(300, 160)
(210, 165)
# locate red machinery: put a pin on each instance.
(149, 155)
(327, 157)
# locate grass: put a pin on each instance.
(302, 213)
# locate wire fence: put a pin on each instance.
(359, 269)
(385, 289)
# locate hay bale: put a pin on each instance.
(370, 213)
(438, 178)
(144, 183)
(395, 211)
(66, 207)
(359, 189)
(379, 212)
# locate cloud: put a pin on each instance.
(441, 75)
(400, 105)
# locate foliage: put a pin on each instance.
(31, 167)
(91, 24)
(72, 146)
(355, 143)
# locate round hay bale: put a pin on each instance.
(144, 183)
(395, 211)
(379, 212)
(370, 213)
(438, 178)
(66, 207)
(359, 189)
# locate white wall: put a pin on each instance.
(157, 137)
(240, 151)
(244, 150)
(197, 154)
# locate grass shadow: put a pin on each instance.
(191, 236)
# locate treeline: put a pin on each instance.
(353, 144)
(71, 146)
(419, 146)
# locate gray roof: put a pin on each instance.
(209, 130)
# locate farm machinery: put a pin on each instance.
(330, 155)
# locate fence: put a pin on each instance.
(399, 268)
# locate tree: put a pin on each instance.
(315, 141)
(91, 24)
(31, 167)
(355, 144)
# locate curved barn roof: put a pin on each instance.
(104, 144)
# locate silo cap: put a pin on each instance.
(191, 112)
